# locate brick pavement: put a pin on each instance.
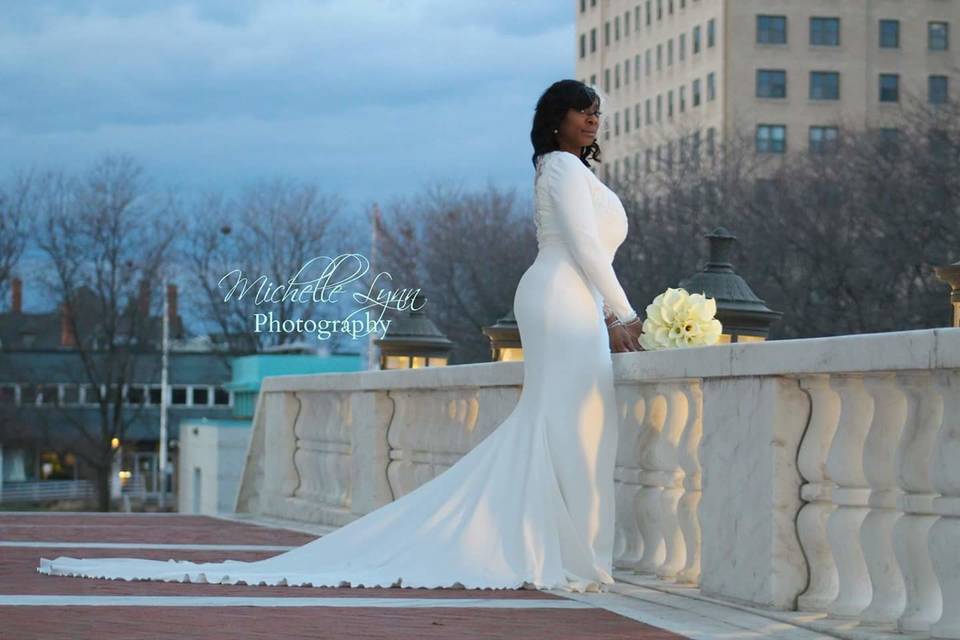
(18, 577)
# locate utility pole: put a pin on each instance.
(164, 395)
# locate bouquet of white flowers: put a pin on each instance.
(676, 318)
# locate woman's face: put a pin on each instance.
(579, 127)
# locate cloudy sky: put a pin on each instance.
(370, 99)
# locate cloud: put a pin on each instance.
(371, 95)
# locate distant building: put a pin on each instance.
(683, 74)
(47, 402)
(213, 451)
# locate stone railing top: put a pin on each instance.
(896, 351)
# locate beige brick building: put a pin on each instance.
(681, 74)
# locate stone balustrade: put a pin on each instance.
(819, 475)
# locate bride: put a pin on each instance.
(532, 505)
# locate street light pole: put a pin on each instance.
(164, 348)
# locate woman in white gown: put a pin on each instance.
(532, 505)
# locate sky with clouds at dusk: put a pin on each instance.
(369, 99)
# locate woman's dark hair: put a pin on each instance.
(552, 108)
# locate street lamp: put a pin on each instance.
(413, 341)
(951, 275)
(504, 338)
(744, 316)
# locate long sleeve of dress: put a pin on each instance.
(570, 199)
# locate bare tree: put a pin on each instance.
(466, 250)
(106, 242)
(841, 238)
(15, 206)
(257, 241)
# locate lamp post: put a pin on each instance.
(504, 338)
(413, 341)
(744, 316)
(951, 275)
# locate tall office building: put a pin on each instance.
(682, 74)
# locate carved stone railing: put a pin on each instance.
(818, 475)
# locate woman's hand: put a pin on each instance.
(624, 337)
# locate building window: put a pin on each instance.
(659, 9)
(888, 141)
(606, 80)
(626, 120)
(616, 76)
(711, 86)
(616, 28)
(593, 79)
(626, 71)
(659, 57)
(889, 34)
(583, 6)
(711, 32)
(155, 395)
(696, 39)
(583, 45)
(825, 32)
(178, 395)
(201, 396)
(636, 116)
(695, 146)
(695, 93)
(616, 124)
(771, 138)
(659, 108)
(648, 161)
(938, 89)
(8, 394)
(670, 52)
(771, 83)
(71, 394)
(772, 29)
(683, 99)
(606, 33)
(938, 36)
(889, 87)
(593, 40)
(824, 85)
(636, 67)
(670, 103)
(648, 115)
(823, 139)
(711, 141)
(670, 6)
(636, 18)
(136, 395)
(648, 12)
(626, 24)
(682, 47)
(648, 61)
(221, 397)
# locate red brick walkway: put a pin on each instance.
(19, 577)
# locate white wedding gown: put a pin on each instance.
(532, 505)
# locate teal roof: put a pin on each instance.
(215, 422)
(249, 371)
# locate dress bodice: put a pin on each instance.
(574, 209)
(611, 218)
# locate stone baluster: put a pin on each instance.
(667, 463)
(915, 453)
(890, 411)
(850, 495)
(690, 463)
(322, 457)
(816, 493)
(945, 533)
(628, 542)
(649, 502)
